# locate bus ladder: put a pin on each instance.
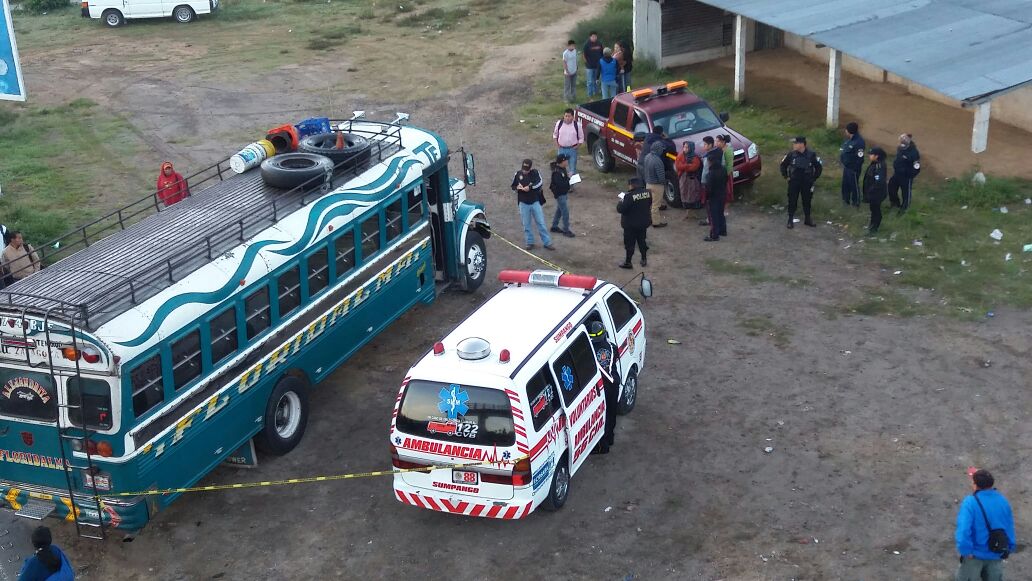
(85, 525)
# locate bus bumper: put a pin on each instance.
(129, 514)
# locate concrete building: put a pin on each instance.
(965, 53)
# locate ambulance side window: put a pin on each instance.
(621, 308)
(541, 393)
(574, 368)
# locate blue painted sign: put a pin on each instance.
(453, 401)
(12, 87)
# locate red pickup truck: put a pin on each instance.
(611, 124)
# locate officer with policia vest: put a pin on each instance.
(801, 167)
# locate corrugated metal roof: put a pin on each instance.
(966, 50)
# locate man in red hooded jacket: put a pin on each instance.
(172, 187)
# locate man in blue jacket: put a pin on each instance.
(983, 511)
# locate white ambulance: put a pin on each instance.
(516, 392)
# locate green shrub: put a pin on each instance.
(613, 25)
(41, 6)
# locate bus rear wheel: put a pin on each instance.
(286, 416)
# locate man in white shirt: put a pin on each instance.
(568, 135)
(570, 72)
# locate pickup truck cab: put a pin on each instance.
(610, 126)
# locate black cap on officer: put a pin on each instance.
(636, 182)
(799, 139)
(597, 332)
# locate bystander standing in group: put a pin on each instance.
(570, 71)
(689, 166)
(985, 530)
(172, 187)
(592, 55)
(716, 188)
(625, 58)
(905, 168)
(724, 143)
(801, 167)
(635, 207)
(560, 186)
(851, 156)
(655, 179)
(568, 135)
(527, 185)
(609, 72)
(48, 563)
(875, 187)
(659, 135)
(20, 259)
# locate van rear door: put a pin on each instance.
(580, 388)
(442, 423)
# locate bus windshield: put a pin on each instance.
(457, 413)
(28, 395)
(689, 120)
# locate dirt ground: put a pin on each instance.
(883, 111)
(872, 420)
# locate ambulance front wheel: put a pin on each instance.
(286, 415)
(475, 254)
(629, 395)
(559, 490)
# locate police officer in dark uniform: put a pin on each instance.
(635, 209)
(905, 168)
(606, 353)
(801, 167)
(851, 156)
(875, 187)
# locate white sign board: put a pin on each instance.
(12, 87)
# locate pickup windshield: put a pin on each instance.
(688, 120)
(457, 413)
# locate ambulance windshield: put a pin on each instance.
(457, 413)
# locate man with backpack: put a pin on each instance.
(568, 135)
(985, 530)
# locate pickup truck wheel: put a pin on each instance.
(672, 194)
(113, 18)
(183, 14)
(600, 154)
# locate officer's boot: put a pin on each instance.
(644, 260)
(790, 222)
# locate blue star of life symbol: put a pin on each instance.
(397, 440)
(567, 378)
(506, 455)
(453, 401)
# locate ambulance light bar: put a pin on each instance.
(547, 278)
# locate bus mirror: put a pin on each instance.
(469, 167)
(724, 116)
(646, 287)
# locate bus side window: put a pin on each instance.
(344, 248)
(145, 380)
(186, 359)
(96, 401)
(370, 237)
(223, 333)
(394, 225)
(541, 393)
(415, 207)
(289, 290)
(318, 271)
(256, 312)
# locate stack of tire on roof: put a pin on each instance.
(292, 156)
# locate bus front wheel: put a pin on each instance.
(286, 415)
(475, 270)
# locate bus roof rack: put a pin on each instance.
(100, 269)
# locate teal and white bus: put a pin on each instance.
(162, 342)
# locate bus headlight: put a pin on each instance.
(753, 151)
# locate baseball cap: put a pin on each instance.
(799, 139)
(561, 158)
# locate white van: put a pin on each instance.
(516, 392)
(116, 12)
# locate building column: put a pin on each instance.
(647, 32)
(980, 135)
(834, 87)
(741, 24)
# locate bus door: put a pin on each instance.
(441, 215)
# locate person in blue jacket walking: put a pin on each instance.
(48, 563)
(984, 511)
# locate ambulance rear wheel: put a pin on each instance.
(559, 490)
(475, 254)
(629, 395)
(286, 416)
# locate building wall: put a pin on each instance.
(1014, 108)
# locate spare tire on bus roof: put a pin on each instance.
(290, 170)
(357, 149)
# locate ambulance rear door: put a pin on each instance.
(580, 389)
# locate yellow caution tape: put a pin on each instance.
(306, 480)
(527, 252)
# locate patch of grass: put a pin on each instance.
(753, 274)
(885, 301)
(435, 18)
(332, 37)
(764, 326)
(59, 165)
